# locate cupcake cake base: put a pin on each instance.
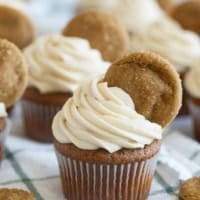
(97, 174)
(39, 110)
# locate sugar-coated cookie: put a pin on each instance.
(15, 26)
(103, 31)
(188, 15)
(190, 189)
(15, 194)
(152, 82)
(13, 73)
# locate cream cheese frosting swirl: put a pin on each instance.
(60, 64)
(98, 116)
(192, 82)
(153, 30)
(181, 48)
(3, 112)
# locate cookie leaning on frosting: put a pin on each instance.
(13, 73)
(109, 128)
(102, 30)
(57, 66)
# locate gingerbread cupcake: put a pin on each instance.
(15, 26)
(57, 65)
(108, 135)
(192, 85)
(3, 130)
(188, 15)
(102, 30)
(157, 32)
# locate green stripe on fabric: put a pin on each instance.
(30, 180)
(25, 150)
(163, 191)
(22, 175)
(166, 187)
(194, 155)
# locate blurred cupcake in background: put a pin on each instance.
(192, 85)
(3, 132)
(57, 66)
(151, 29)
(103, 31)
(15, 25)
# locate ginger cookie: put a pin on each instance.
(102, 30)
(15, 194)
(188, 15)
(166, 4)
(16, 27)
(13, 73)
(190, 190)
(152, 82)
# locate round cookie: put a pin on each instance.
(15, 194)
(13, 73)
(103, 31)
(166, 4)
(190, 190)
(188, 15)
(15, 26)
(152, 82)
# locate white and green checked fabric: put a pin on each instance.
(32, 166)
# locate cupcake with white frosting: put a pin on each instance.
(57, 66)
(3, 125)
(192, 85)
(106, 145)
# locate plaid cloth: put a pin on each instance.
(33, 166)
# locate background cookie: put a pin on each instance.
(188, 15)
(190, 190)
(13, 73)
(15, 194)
(16, 27)
(152, 83)
(166, 4)
(103, 31)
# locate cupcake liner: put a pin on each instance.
(195, 113)
(89, 181)
(38, 119)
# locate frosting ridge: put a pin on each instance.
(60, 64)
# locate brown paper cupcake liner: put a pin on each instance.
(38, 119)
(89, 181)
(194, 110)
